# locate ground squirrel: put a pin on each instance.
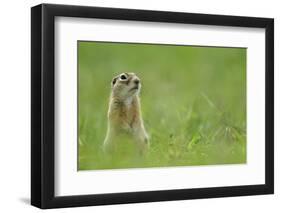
(124, 114)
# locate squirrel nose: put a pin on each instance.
(137, 81)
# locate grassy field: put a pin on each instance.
(193, 103)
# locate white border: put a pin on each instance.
(70, 182)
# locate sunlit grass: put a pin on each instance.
(193, 103)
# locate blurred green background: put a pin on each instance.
(193, 103)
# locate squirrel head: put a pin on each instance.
(125, 85)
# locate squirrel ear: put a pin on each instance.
(114, 81)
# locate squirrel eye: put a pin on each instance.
(123, 77)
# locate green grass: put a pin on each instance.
(193, 103)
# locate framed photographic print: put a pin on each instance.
(139, 106)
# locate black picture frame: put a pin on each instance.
(43, 102)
